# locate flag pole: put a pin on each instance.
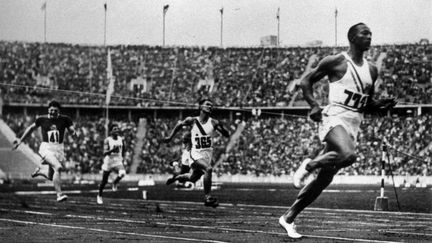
(278, 27)
(45, 22)
(221, 28)
(163, 29)
(164, 11)
(105, 23)
(106, 103)
(336, 14)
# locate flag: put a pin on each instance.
(221, 10)
(105, 6)
(277, 14)
(165, 8)
(110, 78)
(43, 7)
(336, 12)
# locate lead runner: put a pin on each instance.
(352, 80)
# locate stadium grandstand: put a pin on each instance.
(161, 85)
(242, 84)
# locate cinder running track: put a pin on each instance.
(35, 216)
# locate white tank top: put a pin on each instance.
(118, 143)
(352, 90)
(202, 135)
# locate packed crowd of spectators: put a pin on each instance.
(76, 74)
(34, 73)
(276, 146)
(267, 146)
(84, 154)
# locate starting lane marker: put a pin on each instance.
(109, 231)
(192, 226)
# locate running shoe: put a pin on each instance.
(114, 187)
(36, 172)
(99, 199)
(211, 202)
(170, 181)
(62, 198)
(290, 228)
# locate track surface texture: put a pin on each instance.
(247, 213)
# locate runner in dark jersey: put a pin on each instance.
(53, 126)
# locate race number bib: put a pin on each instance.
(54, 136)
(355, 100)
(116, 149)
(203, 142)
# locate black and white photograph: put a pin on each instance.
(216, 121)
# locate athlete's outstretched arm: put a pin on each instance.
(178, 127)
(27, 132)
(71, 131)
(219, 127)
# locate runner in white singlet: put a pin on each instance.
(114, 150)
(351, 89)
(202, 132)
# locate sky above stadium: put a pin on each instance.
(197, 22)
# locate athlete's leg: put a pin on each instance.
(185, 170)
(40, 172)
(206, 169)
(54, 173)
(121, 172)
(341, 150)
(50, 173)
(337, 141)
(310, 192)
(105, 176)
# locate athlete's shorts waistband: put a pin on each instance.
(52, 145)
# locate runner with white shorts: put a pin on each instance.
(202, 132)
(53, 127)
(114, 151)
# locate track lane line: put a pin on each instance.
(110, 231)
(230, 204)
(208, 227)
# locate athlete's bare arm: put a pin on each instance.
(27, 132)
(186, 122)
(107, 151)
(328, 66)
(71, 131)
(375, 106)
(123, 152)
(219, 127)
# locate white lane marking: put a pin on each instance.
(109, 231)
(53, 192)
(428, 216)
(286, 207)
(349, 191)
(404, 233)
(275, 189)
(330, 210)
(207, 227)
